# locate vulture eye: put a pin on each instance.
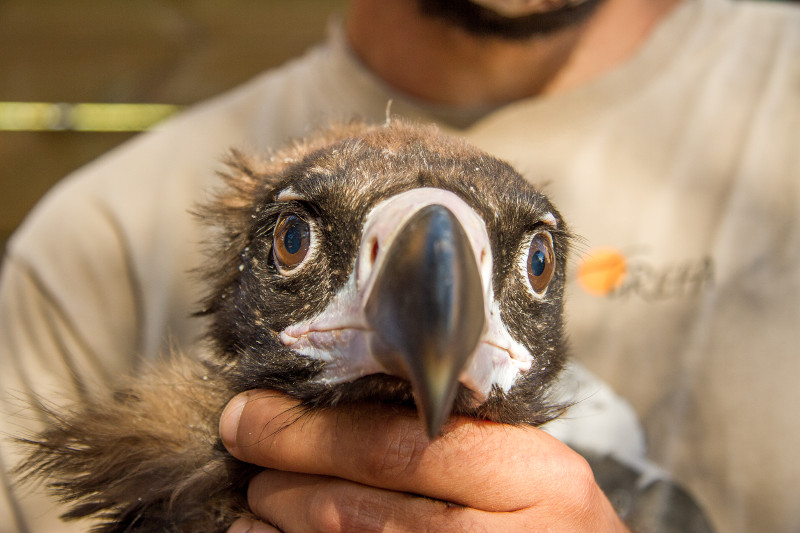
(541, 262)
(291, 241)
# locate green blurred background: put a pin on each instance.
(148, 51)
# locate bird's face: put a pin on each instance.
(393, 264)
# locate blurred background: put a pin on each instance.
(174, 52)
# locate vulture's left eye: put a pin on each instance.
(541, 262)
(291, 241)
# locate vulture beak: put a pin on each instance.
(426, 308)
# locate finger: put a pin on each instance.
(302, 502)
(477, 464)
(245, 525)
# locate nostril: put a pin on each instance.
(486, 260)
(373, 251)
(367, 256)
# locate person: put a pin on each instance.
(664, 131)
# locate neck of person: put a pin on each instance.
(431, 60)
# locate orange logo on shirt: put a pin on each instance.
(602, 271)
(609, 272)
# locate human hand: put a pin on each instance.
(374, 469)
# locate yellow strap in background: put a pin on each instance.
(44, 116)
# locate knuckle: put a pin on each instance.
(581, 492)
(581, 472)
(577, 481)
(344, 511)
(325, 518)
(395, 451)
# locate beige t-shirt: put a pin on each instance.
(685, 165)
(679, 169)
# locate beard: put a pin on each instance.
(480, 21)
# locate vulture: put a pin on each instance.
(387, 263)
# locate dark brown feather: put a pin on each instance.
(146, 457)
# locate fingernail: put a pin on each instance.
(229, 421)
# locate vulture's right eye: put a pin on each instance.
(291, 241)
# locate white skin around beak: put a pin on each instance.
(340, 335)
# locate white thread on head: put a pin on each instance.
(388, 112)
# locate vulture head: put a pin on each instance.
(394, 264)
